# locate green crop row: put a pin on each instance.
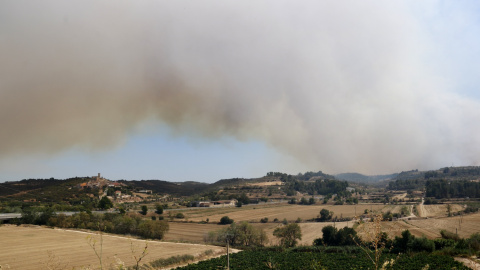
(292, 259)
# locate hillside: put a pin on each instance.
(165, 187)
(46, 190)
(360, 178)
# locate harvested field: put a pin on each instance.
(464, 225)
(33, 247)
(431, 227)
(393, 229)
(439, 210)
(281, 211)
(190, 232)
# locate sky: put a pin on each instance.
(209, 90)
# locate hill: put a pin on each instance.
(165, 187)
(360, 178)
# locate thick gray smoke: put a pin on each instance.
(338, 85)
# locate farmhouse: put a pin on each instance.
(224, 203)
(200, 204)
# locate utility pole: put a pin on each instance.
(227, 236)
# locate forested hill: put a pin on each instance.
(417, 180)
(165, 187)
(46, 190)
(360, 178)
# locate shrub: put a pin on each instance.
(172, 260)
(179, 215)
(159, 209)
(226, 220)
(152, 229)
(144, 210)
(264, 220)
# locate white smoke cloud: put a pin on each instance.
(341, 86)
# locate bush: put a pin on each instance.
(474, 241)
(144, 210)
(226, 220)
(172, 260)
(179, 215)
(152, 229)
(264, 220)
(422, 244)
(159, 209)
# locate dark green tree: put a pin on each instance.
(105, 203)
(325, 215)
(226, 220)
(159, 209)
(144, 210)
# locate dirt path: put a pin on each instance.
(421, 209)
(472, 263)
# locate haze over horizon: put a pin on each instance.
(208, 90)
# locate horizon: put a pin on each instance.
(190, 91)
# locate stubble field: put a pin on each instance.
(33, 247)
(253, 213)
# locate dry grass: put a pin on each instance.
(33, 247)
(439, 210)
(190, 232)
(464, 225)
(266, 184)
(254, 213)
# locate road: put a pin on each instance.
(7, 216)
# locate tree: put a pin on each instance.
(325, 215)
(29, 215)
(144, 210)
(159, 209)
(288, 234)
(243, 234)
(243, 198)
(303, 201)
(105, 203)
(153, 229)
(226, 220)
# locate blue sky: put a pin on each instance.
(204, 91)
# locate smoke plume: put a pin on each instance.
(341, 86)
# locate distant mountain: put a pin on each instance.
(360, 178)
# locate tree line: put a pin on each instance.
(108, 222)
(441, 189)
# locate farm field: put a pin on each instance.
(33, 247)
(437, 210)
(190, 232)
(254, 213)
(431, 227)
(465, 225)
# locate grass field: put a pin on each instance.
(36, 247)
